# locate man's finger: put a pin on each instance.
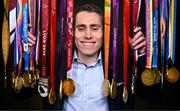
(136, 36)
(138, 41)
(142, 44)
(137, 29)
(31, 36)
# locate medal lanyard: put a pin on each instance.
(19, 34)
(62, 35)
(172, 29)
(52, 42)
(38, 34)
(70, 8)
(155, 34)
(115, 34)
(107, 17)
(45, 24)
(149, 32)
(25, 35)
(126, 24)
(32, 13)
(5, 38)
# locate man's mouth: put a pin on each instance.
(88, 43)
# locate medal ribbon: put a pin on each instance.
(126, 24)
(62, 35)
(38, 34)
(32, 13)
(163, 22)
(19, 34)
(107, 16)
(70, 8)
(5, 38)
(25, 35)
(52, 42)
(155, 34)
(172, 29)
(45, 24)
(149, 33)
(115, 34)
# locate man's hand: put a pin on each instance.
(138, 41)
(31, 39)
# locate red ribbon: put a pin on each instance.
(52, 41)
(45, 22)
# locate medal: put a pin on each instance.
(37, 74)
(32, 79)
(172, 75)
(18, 84)
(148, 77)
(113, 89)
(157, 75)
(106, 87)
(52, 97)
(60, 90)
(26, 82)
(13, 77)
(68, 86)
(125, 95)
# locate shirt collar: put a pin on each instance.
(76, 59)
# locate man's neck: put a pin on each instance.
(88, 59)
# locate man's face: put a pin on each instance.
(88, 33)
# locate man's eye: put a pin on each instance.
(95, 28)
(80, 29)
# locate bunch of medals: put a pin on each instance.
(24, 71)
(167, 37)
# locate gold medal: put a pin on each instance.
(125, 95)
(60, 90)
(52, 96)
(68, 86)
(37, 74)
(113, 89)
(172, 75)
(148, 77)
(13, 77)
(26, 79)
(157, 75)
(106, 87)
(18, 84)
(33, 80)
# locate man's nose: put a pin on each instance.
(88, 34)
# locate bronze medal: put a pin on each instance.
(172, 75)
(60, 90)
(26, 79)
(18, 84)
(125, 95)
(106, 87)
(52, 97)
(148, 77)
(113, 89)
(157, 75)
(68, 86)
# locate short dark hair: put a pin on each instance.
(89, 7)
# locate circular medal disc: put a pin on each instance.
(113, 89)
(106, 87)
(157, 76)
(68, 86)
(18, 84)
(125, 95)
(172, 75)
(13, 77)
(33, 80)
(37, 74)
(60, 90)
(52, 97)
(148, 77)
(26, 79)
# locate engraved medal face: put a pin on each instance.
(43, 86)
(68, 86)
(172, 75)
(26, 79)
(148, 77)
(33, 80)
(52, 97)
(106, 87)
(113, 89)
(157, 76)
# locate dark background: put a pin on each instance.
(169, 97)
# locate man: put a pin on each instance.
(87, 64)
